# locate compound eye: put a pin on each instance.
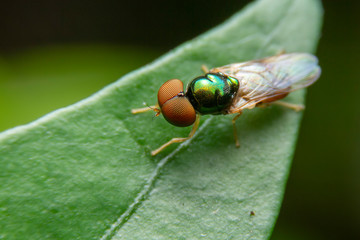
(179, 112)
(169, 89)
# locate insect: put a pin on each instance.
(232, 88)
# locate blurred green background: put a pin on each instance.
(55, 53)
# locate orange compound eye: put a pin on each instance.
(179, 112)
(169, 89)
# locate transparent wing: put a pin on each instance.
(265, 79)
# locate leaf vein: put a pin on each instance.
(148, 187)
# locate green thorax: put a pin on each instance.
(212, 93)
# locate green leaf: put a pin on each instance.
(85, 171)
(40, 80)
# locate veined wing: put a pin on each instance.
(264, 79)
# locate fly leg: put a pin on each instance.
(146, 109)
(295, 107)
(281, 52)
(237, 144)
(179, 140)
(204, 68)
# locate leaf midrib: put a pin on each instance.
(144, 193)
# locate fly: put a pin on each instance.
(232, 88)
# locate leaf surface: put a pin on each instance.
(85, 171)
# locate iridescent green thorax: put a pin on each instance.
(212, 93)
